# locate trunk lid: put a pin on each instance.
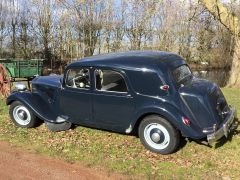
(205, 102)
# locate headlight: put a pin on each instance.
(21, 86)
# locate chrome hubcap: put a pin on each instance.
(21, 115)
(156, 136)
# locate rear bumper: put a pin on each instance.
(228, 125)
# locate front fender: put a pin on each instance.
(174, 116)
(34, 102)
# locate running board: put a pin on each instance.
(61, 119)
(61, 124)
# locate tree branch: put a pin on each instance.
(220, 12)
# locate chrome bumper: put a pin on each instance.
(226, 127)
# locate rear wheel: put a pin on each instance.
(22, 116)
(158, 135)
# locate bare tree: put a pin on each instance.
(24, 30)
(3, 19)
(139, 15)
(66, 30)
(231, 22)
(43, 22)
(14, 23)
(118, 24)
(88, 21)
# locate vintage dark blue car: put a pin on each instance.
(151, 93)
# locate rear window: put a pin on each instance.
(182, 74)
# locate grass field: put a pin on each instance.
(125, 154)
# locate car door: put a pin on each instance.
(113, 104)
(76, 96)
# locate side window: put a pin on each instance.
(108, 80)
(147, 83)
(78, 78)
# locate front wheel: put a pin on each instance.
(158, 135)
(22, 116)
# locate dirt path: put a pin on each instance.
(16, 163)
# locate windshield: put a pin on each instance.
(181, 73)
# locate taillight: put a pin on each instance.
(186, 121)
(164, 87)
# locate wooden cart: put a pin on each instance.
(11, 70)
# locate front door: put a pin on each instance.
(113, 105)
(76, 96)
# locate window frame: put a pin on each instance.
(78, 68)
(114, 70)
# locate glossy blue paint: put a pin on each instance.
(143, 72)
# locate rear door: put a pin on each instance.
(113, 104)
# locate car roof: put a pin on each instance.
(132, 60)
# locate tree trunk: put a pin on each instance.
(13, 39)
(24, 39)
(231, 22)
(47, 50)
(1, 41)
(234, 80)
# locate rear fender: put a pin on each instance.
(174, 117)
(34, 102)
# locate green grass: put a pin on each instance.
(125, 154)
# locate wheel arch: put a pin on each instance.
(166, 115)
(34, 103)
(9, 102)
(26, 118)
(173, 116)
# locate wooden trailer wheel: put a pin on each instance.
(5, 81)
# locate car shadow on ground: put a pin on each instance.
(182, 144)
(229, 138)
(184, 141)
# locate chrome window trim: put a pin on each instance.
(118, 92)
(89, 72)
